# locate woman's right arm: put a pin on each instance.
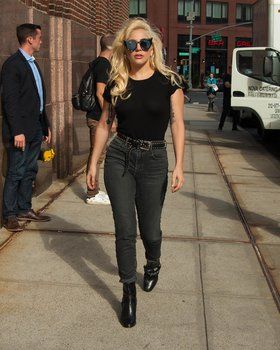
(101, 137)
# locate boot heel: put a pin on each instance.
(129, 302)
(151, 272)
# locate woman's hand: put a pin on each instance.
(177, 179)
(114, 127)
(91, 177)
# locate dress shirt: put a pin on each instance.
(37, 77)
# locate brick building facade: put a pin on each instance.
(99, 16)
(70, 31)
(208, 55)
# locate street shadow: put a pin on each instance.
(78, 189)
(253, 153)
(225, 140)
(84, 254)
(223, 209)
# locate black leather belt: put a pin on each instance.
(142, 144)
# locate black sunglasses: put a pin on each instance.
(131, 45)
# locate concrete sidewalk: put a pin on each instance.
(59, 285)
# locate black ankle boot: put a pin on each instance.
(128, 315)
(151, 271)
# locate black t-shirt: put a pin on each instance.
(146, 113)
(101, 68)
(227, 90)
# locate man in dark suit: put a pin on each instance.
(25, 126)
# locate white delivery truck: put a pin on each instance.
(256, 70)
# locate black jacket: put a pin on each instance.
(20, 99)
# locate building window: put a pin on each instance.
(243, 13)
(137, 8)
(216, 55)
(216, 12)
(185, 6)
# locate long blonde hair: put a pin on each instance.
(119, 73)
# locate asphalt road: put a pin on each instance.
(201, 98)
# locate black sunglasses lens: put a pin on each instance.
(131, 44)
(145, 44)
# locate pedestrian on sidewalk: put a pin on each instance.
(25, 126)
(212, 89)
(100, 71)
(142, 90)
(227, 109)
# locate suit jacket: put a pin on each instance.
(20, 99)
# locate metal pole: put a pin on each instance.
(191, 16)
(190, 52)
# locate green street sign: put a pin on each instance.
(216, 37)
(186, 54)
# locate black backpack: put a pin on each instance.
(84, 100)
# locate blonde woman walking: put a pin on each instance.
(142, 90)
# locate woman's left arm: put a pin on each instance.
(178, 137)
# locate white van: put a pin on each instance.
(256, 85)
(256, 70)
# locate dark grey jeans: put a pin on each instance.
(140, 185)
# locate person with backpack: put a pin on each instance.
(99, 70)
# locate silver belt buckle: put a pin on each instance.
(145, 145)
